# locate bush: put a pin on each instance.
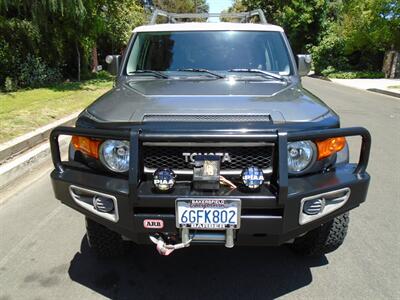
(8, 84)
(17, 39)
(355, 75)
(98, 76)
(329, 70)
(329, 53)
(104, 75)
(33, 72)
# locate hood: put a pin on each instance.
(134, 100)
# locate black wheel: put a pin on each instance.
(103, 241)
(324, 239)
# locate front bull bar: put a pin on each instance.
(279, 179)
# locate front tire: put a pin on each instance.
(324, 239)
(103, 241)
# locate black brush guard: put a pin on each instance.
(284, 192)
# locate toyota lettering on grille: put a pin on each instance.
(189, 157)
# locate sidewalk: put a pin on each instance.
(385, 86)
(26, 154)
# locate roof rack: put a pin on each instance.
(244, 17)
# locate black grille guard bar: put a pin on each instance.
(279, 178)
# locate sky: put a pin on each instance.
(218, 5)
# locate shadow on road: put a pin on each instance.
(194, 273)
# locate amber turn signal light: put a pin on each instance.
(86, 145)
(330, 146)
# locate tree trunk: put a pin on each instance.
(391, 64)
(78, 56)
(95, 61)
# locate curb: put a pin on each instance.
(372, 90)
(29, 162)
(384, 92)
(27, 141)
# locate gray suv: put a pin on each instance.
(208, 137)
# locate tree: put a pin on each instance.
(342, 34)
(110, 22)
(38, 9)
(48, 18)
(358, 35)
(64, 34)
(182, 6)
(302, 20)
(369, 28)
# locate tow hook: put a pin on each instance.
(166, 249)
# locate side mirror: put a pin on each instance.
(113, 62)
(303, 64)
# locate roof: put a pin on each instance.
(193, 26)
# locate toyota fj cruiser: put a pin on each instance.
(208, 137)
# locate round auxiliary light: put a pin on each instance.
(164, 179)
(252, 177)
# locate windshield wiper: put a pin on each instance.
(266, 73)
(203, 71)
(152, 72)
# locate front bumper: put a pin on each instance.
(269, 217)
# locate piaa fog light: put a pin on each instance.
(164, 179)
(252, 177)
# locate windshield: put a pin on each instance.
(212, 50)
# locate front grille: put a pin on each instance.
(241, 157)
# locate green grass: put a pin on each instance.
(25, 110)
(355, 75)
(394, 87)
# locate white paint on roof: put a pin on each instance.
(221, 26)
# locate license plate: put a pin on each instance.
(208, 214)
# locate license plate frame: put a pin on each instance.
(219, 204)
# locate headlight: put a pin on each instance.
(300, 156)
(114, 154)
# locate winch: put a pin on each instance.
(187, 237)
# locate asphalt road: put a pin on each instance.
(44, 254)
